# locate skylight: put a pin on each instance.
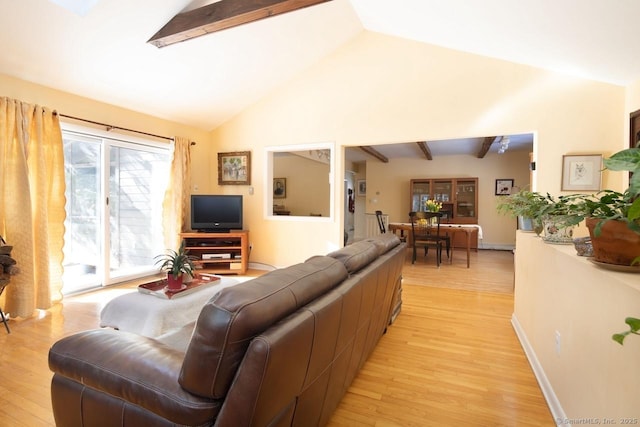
(79, 7)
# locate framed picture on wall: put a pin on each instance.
(581, 172)
(234, 168)
(361, 187)
(503, 187)
(279, 188)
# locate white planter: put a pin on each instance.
(557, 233)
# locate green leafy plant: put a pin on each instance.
(612, 205)
(566, 210)
(621, 206)
(524, 203)
(176, 262)
(634, 329)
(530, 204)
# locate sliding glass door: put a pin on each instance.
(114, 196)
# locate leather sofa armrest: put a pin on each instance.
(131, 367)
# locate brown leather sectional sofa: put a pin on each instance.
(278, 350)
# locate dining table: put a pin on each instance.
(402, 227)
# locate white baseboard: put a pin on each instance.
(557, 412)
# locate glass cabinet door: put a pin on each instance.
(442, 191)
(466, 198)
(420, 193)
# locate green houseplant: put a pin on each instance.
(613, 218)
(623, 209)
(559, 216)
(525, 205)
(556, 216)
(176, 264)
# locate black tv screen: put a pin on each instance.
(216, 213)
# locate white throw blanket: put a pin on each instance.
(151, 316)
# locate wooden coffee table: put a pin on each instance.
(152, 316)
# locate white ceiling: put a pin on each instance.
(100, 52)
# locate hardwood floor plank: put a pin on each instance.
(450, 359)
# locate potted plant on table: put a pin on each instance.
(176, 264)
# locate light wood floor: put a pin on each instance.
(450, 359)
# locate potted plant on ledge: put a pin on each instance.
(556, 216)
(613, 218)
(526, 206)
(559, 217)
(176, 264)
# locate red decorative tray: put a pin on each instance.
(159, 288)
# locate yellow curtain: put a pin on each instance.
(32, 204)
(176, 198)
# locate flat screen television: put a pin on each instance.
(216, 213)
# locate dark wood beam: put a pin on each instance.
(222, 15)
(375, 153)
(486, 145)
(425, 149)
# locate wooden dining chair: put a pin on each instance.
(2, 316)
(426, 233)
(380, 222)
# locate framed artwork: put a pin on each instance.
(234, 168)
(503, 187)
(581, 172)
(279, 188)
(361, 187)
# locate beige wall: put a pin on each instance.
(380, 89)
(307, 184)
(589, 375)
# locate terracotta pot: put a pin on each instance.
(173, 283)
(616, 244)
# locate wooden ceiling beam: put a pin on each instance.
(486, 145)
(222, 15)
(375, 153)
(425, 149)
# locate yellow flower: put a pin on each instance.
(433, 206)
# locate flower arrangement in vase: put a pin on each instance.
(432, 206)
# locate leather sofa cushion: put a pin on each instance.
(356, 256)
(234, 316)
(123, 367)
(384, 242)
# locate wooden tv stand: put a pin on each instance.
(219, 253)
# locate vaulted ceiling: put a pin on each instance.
(98, 48)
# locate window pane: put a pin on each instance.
(99, 251)
(82, 226)
(137, 182)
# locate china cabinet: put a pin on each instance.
(459, 198)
